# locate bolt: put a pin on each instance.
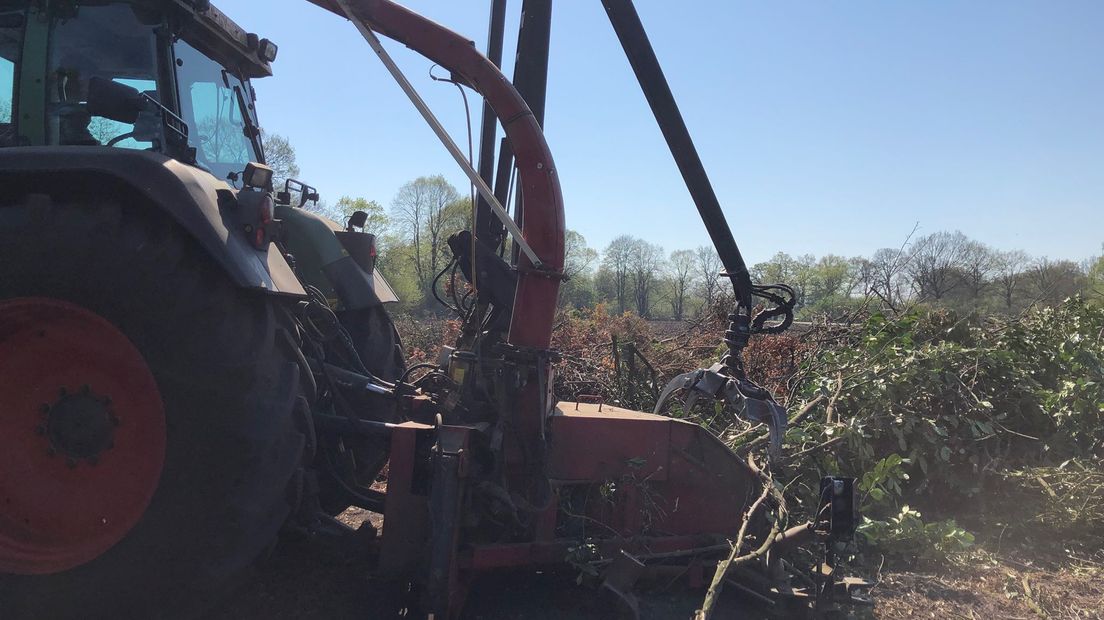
(71, 462)
(85, 389)
(93, 460)
(40, 430)
(45, 408)
(110, 444)
(50, 451)
(106, 401)
(115, 421)
(63, 392)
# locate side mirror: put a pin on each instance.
(357, 220)
(113, 100)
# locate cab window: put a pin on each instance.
(11, 46)
(109, 42)
(213, 102)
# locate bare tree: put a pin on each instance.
(646, 263)
(882, 276)
(1008, 274)
(1052, 281)
(979, 261)
(419, 213)
(617, 261)
(709, 267)
(681, 273)
(935, 263)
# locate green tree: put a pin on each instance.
(343, 209)
(421, 213)
(578, 290)
(1095, 277)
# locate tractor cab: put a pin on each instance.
(169, 77)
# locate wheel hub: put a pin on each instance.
(80, 426)
(78, 468)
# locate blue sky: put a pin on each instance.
(826, 126)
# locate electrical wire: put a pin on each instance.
(471, 157)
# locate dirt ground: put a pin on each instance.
(299, 581)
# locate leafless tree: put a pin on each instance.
(979, 262)
(709, 267)
(617, 262)
(1051, 281)
(935, 263)
(1008, 274)
(882, 276)
(646, 262)
(681, 273)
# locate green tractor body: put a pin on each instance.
(155, 405)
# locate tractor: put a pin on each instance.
(192, 364)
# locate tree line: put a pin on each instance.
(944, 268)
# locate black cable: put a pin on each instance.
(467, 115)
(413, 368)
(452, 289)
(337, 330)
(784, 299)
(433, 287)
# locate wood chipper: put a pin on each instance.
(191, 363)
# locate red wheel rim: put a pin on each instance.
(82, 436)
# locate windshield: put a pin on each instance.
(211, 103)
(112, 42)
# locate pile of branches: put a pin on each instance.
(948, 420)
(1063, 503)
(626, 360)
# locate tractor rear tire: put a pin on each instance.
(232, 452)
